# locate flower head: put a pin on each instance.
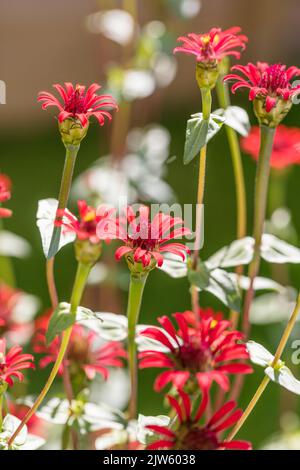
(12, 363)
(214, 45)
(76, 106)
(190, 434)
(5, 195)
(286, 148)
(210, 49)
(87, 228)
(84, 354)
(269, 87)
(195, 355)
(146, 240)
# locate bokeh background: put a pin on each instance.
(42, 43)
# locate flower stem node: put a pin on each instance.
(207, 74)
(274, 117)
(87, 252)
(72, 131)
(138, 269)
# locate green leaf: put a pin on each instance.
(225, 289)
(200, 277)
(60, 321)
(198, 133)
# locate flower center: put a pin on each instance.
(145, 237)
(274, 77)
(79, 351)
(75, 103)
(199, 439)
(195, 355)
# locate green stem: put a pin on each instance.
(266, 380)
(206, 111)
(83, 271)
(6, 267)
(233, 141)
(136, 289)
(66, 181)
(260, 204)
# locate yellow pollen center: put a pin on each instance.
(206, 40)
(89, 217)
(213, 324)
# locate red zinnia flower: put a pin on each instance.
(270, 82)
(5, 195)
(214, 45)
(203, 354)
(83, 353)
(191, 435)
(79, 104)
(286, 148)
(89, 223)
(144, 239)
(12, 362)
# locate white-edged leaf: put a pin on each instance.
(278, 251)
(284, 377)
(259, 354)
(225, 288)
(238, 253)
(112, 327)
(46, 214)
(236, 118)
(198, 133)
(260, 283)
(13, 245)
(273, 307)
(174, 266)
(102, 417)
(55, 411)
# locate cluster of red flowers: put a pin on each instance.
(5, 195)
(195, 355)
(144, 240)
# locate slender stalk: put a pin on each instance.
(266, 380)
(66, 181)
(136, 289)
(6, 267)
(260, 204)
(51, 282)
(78, 288)
(233, 141)
(206, 111)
